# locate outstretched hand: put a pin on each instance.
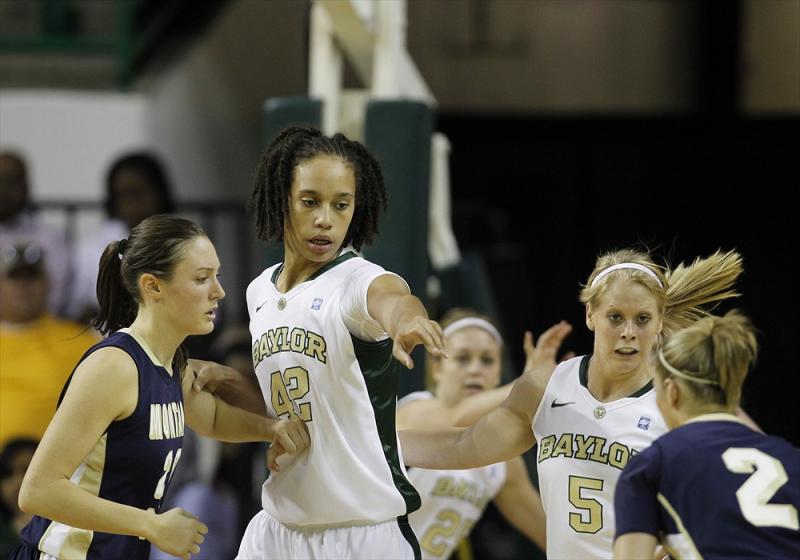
(543, 353)
(418, 330)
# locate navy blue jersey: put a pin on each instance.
(131, 464)
(714, 488)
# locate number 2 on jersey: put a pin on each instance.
(287, 388)
(759, 487)
(449, 523)
(169, 469)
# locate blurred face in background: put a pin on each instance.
(12, 480)
(23, 289)
(136, 198)
(13, 187)
(473, 365)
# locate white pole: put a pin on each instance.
(325, 68)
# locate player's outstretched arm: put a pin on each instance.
(103, 389)
(501, 435)
(403, 316)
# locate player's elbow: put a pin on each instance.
(30, 496)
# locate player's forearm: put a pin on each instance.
(431, 449)
(236, 388)
(406, 308)
(494, 438)
(634, 546)
(469, 411)
(65, 502)
(234, 424)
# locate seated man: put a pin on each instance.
(37, 350)
(19, 225)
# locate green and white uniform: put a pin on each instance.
(583, 445)
(452, 500)
(317, 352)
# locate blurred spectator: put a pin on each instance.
(37, 350)
(19, 225)
(14, 460)
(137, 187)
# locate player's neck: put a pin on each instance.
(295, 271)
(158, 338)
(607, 386)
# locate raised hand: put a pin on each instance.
(178, 532)
(543, 353)
(418, 330)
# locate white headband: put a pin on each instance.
(679, 373)
(634, 266)
(473, 322)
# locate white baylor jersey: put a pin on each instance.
(317, 351)
(583, 445)
(452, 501)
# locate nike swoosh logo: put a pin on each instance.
(260, 306)
(556, 404)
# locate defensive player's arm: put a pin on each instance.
(422, 414)
(501, 435)
(520, 503)
(635, 546)
(232, 386)
(542, 355)
(103, 389)
(403, 316)
(212, 417)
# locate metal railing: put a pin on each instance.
(128, 37)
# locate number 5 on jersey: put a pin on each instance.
(286, 389)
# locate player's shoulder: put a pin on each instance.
(260, 282)
(353, 264)
(415, 396)
(569, 372)
(109, 367)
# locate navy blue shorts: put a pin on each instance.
(25, 551)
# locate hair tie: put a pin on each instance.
(473, 322)
(122, 244)
(632, 266)
(678, 373)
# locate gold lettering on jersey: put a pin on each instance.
(546, 447)
(584, 443)
(450, 487)
(563, 447)
(618, 455)
(166, 420)
(586, 448)
(597, 453)
(281, 339)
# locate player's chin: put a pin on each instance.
(205, 326)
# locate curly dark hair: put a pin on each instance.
(273, 183)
